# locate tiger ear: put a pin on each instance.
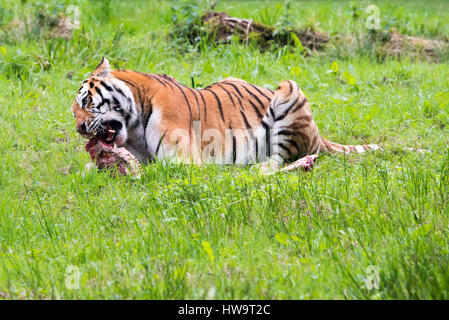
(103, 69)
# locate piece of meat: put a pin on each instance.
(306, 163)
(108, 157)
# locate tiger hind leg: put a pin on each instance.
(294, 136)
(292, 131)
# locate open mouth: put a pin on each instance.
(109, 133)
(104, 139)
(106, 154)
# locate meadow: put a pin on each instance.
(371, 226)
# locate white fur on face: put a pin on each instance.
(111, 99)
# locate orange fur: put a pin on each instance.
(171, 107)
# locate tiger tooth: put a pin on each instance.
(111, 131)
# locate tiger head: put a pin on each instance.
(104, 107)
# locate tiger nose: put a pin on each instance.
(82, 129)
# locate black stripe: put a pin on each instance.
(127, 117)
(286, 111)
(120, 91)
(248, 126)
(132, 85)
(190, 111)
(272, 112)
(267, 137)
(260, 92)
(197, 102)
(300, 105)
(285, 148)
(257, 149)
(159, 80)
(101, 62)
(85, 93)
(259, 115)
(146, 117)
(129, 83)
(115, 101)
(99, 92)
(314, 143)
(151, 76)
(296, 126)
(145, 125)
(277, 153)
(166, 79)
(204, 105)
(316, 149)
(300, 133)
(218, 102)
(230, 96)
(293, 143)
(291, 88)
(284, 132)
(235, 87)
(103, 102)
(188, 105)
(234, 146)
(255, 97)
(93, 124)
(107, 87)
(159, 144)
(170, 82)
(238, 100)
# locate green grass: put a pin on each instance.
(187, 232)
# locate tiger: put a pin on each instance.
(232, 121)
